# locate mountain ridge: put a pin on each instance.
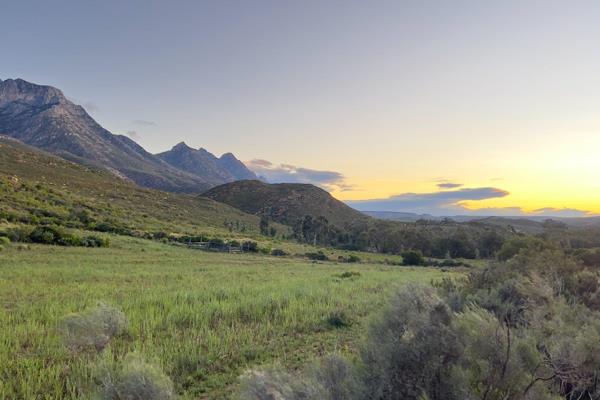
(43, 117)
(226, 168)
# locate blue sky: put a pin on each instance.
(373, 100)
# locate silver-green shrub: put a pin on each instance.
(92, 329)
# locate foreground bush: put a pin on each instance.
(132, 379)
(527, 329)
(92, 329)
(330, 379)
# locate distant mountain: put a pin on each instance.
(205, 165)
(43, 117)
(285, 202)
(523, 223)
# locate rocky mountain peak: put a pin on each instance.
(19, 90)
(181, 146)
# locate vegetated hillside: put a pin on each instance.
(202, 163)
(43, 117)
(285, 202)
(302, 206)
(38, 187)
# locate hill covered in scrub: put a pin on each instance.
(285, 202)
(37, 187)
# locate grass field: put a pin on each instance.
(203, 317)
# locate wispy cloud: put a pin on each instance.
(133, 134)
(286, 173)
(143, 122)
(449, 185)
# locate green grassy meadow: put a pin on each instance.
(203, 317)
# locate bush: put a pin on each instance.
(332, 378)
(318, 256)
(19, 234)
(517, 245)
(338, 319)
(278, 253)
(132, 379)
(92, 329)
(4, 240)
(412, 257)
(349, 274)
(277, 385)
(250, 246)
(94, 241)
(350, 259)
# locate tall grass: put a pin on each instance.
(206, 317)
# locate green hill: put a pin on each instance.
(38, 187)
(285, 202)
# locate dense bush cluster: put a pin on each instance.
(523, 329)
(446, 239)
(317, 256)
(50, 234)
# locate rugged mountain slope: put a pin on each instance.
(43, 117)
(204, 164)
(36, 186)
(285, 202)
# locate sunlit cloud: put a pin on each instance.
(459, 202)
(449, 185)
(286, 173)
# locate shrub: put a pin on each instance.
(353, 258)
(338, 319)
(4, 240)
(132, 379)
(517, 245)
(350, 259)
(412, 257)
(92, 329)
(94, 241)
(277, 385)
(318, 256)
(18, 234)
(278, 253)
(265, 250)
(349, 274)
(250, 246)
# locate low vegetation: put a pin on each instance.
(202, 318)
(524, 329)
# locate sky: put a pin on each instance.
(441, 107)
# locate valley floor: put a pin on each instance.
(203, 317)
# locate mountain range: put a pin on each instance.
(43, 117)
(202, 163)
